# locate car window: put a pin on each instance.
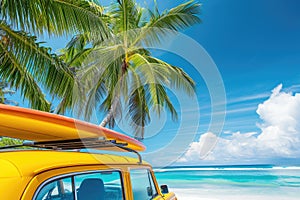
(92, 186)
(87, 186)
(143, 187)
(60, 189)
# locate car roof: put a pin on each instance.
(31, 162)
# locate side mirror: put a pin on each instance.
(149, 191)
(164, 189)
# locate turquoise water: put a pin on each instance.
(232, 182)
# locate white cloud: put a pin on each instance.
(279, 136)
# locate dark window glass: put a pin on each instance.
(100, 186)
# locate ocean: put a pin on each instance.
(259, 182)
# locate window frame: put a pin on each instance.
(72, 176)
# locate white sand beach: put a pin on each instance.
(199, 194)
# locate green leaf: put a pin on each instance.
(176, 19)
(23, 63)
(55, 16)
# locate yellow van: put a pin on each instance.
(51, 167)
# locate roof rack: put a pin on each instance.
(73, 144)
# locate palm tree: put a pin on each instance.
(24, 62)
(4, 141)
(120, 72)
(4, 90)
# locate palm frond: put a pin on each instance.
(126, 15)
(59, 82)
(55, 16)
(76, 51)
(147, 74)
(24, 63)
(138, 111)
(124, 18)
(176, 19)
(37, 61)
(154, 76)
(19, 78)
(178, 78)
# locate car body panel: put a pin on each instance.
(26, 170)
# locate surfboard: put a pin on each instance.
(38, 126)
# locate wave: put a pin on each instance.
(290, 167)
(226, 168)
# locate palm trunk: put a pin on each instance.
(142, 133)
(113, 109)
(111, 113)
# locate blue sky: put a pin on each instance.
(253, 46)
